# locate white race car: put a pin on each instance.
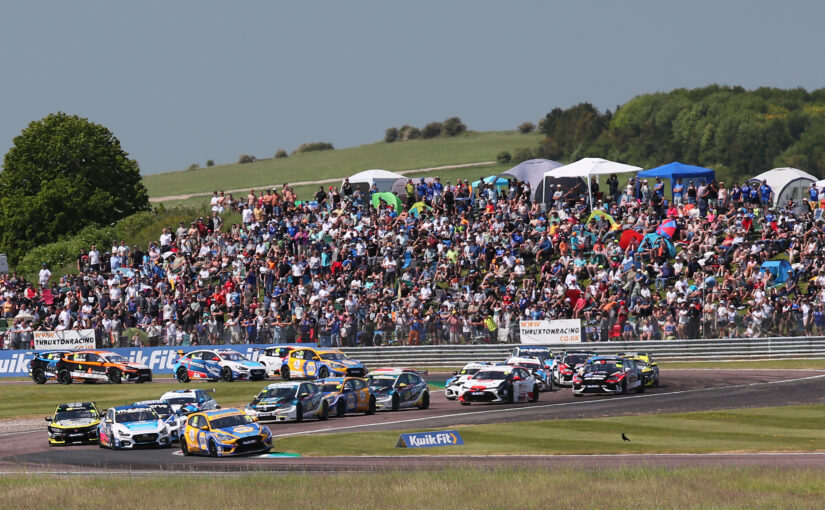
(500, 383)
(133, 426)
(459, 377)
(189, 401)
(175, 420)
(214, 364)
(273, 358)
(569, 365)
(536, 367)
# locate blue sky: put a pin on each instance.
(180, 82)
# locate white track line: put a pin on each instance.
(522, 409)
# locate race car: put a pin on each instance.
(174, 420)
(541, 352)
(568, 365)
(347, 395)
(43, 366)
(543, 376)
(289, 401)
(398, 388)
(75, 422)
(224, 432)
(611, 375)
(214, 364)
(94, 366)
(459, 377)
(190, 401)
(649, 368)
(500, 383)
(308, 363)
(273, 358)
(133, 426)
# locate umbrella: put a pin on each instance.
(630, 237)
(26, 316)
(419, 207)
(667, 228)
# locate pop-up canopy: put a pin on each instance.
(591, 167)
(382, 179)
(682, 171)
(533, 171)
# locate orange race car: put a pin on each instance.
(93, 366)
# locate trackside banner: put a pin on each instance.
(429, 439)
(60, 340)
(551, 332)
(159, 359)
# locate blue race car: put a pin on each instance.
(224, 432)
(43, 366)
(215, 364)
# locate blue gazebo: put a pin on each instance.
(682, 171)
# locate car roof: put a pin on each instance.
(180, 392)
(333, 380)
(151, 402)
(284, 384)
(75, 405)
(502, 368)
(130, 406)
(393, 370)
(219, 413)
(515, 360)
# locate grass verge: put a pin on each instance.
(451, 488)
(783, 429)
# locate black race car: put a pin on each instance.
(44, 365)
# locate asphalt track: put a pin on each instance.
(680, 391)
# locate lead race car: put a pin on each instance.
(454, 383)
(224, 432)
(612, 375)
(500, 383)
(215, 364)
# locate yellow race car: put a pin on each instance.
(224, 432)
(74, 422)
(650, 369)
(309, 363)
(347, 395)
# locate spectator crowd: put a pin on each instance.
(465, 267)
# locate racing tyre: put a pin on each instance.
(656, 381)
(510, 397)
(323, 373)
(624, 387)
(183, 448)
(285, 373)
(396, 402)
(371, 408)
(226, 374)
(535, 397)
(425, 401)
(213, 450)
(324, 411)
(115, 377)
(341, 409)
(182, 375)
(39, 376)
(299, 413)
(641, 388)
(64, 377)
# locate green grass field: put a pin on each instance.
(470, 147)
(432, 490)
(787, 429)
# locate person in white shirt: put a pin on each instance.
(44, 276)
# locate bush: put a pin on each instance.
(280, 153)
(431, 130)
(313, 147)
(409, 133)
(523, 154)
(246, 158)
(391, 135)
(526, 127)
(503, 158)
(453, 126)
(193, 166)
(210, 162)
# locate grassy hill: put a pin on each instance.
(471, 147)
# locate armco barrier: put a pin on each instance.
(161, 359)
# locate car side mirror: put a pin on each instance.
(304, 395)
(204, 427)
(455, 372)
(108, 420)
(48, 418)
(216, 359)
(402, 386)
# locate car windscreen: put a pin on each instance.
(469, 371)
(602, 367)
(115, 358)
(132, 415)
(230, 421)
(75, 414)
(334, 356)
(381, 381)
(232, 356)
(491, 374)
(530, 353)
(278, 392)
(575, 359)
(163, 409)
(529, 366)
(181, 401)
(331, 388)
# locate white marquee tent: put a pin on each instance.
(786, 183)
(533, 171)
(591, 167)
(382, 179)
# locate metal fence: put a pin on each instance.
(673, 350)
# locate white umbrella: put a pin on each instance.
(26, 316)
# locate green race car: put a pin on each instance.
(74, 422)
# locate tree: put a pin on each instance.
(62, 174)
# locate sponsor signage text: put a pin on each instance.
(551, 332)
(429, 439)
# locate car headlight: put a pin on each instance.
(224, 438)
(241, 368)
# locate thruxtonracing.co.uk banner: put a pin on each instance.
(71, 339)
(551, 332)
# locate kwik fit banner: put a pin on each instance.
(64, 340)
(551, 332)
(159, 359)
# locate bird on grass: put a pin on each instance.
(624, 437)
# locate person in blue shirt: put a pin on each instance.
(813, 193)
(678, 191)
(659, 188)
(765, 195)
